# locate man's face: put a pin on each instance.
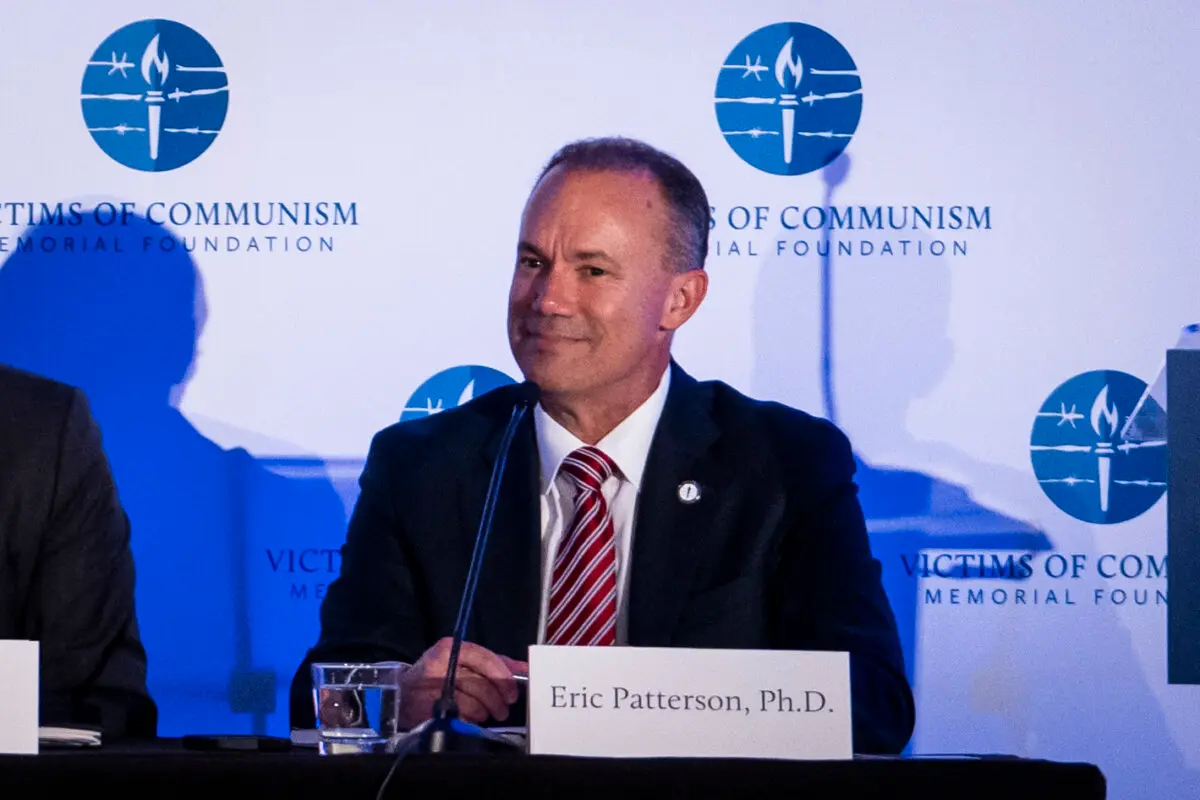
(590, 308)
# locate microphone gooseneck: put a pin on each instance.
(445, 731)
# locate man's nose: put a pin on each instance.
(554, 292)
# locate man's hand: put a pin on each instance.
(484, 687)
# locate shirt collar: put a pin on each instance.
(627, 445)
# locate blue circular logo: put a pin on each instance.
(1082, 460)
(451, 388)
(788, 98)
(154, 95)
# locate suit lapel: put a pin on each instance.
(505, 613)
(669, 534)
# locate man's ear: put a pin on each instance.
(687, 293)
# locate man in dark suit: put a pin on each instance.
(66, 572)
(640, 507)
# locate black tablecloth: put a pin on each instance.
(165, 770)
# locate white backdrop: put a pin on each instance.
(1070, 122)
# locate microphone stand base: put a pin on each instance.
(452, 735)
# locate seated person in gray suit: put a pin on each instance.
(66, 570)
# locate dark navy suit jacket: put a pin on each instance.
(774, 554)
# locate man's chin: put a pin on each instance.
(555, 379)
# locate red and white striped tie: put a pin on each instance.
(583, 590)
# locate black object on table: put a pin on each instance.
(163, 769)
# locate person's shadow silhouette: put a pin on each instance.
(123, 326)
(1029, 683)
(894, 358)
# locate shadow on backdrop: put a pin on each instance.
(213, 530)
(876, 341)
(869, 366)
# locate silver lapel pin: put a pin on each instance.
(689, 492)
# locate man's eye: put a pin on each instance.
(594, 272)
(529, 262)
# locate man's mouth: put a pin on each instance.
(550, 337)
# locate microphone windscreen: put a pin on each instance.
(528, 394)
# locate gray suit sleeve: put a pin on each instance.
(93, 666)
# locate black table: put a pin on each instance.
(165, 770)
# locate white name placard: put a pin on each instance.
(677, 702)
(19, 706)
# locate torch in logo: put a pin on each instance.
(180, 82)
(430, 408)
(452, 388)
(1082, 461)
(785, 63)
(812, 129)
(1102, 410)
(154, 97)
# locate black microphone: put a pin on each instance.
(445, 732)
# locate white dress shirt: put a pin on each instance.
(627, 445)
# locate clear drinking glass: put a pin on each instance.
(357, 706)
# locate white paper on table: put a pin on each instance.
(19, 709)
(69, 737)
